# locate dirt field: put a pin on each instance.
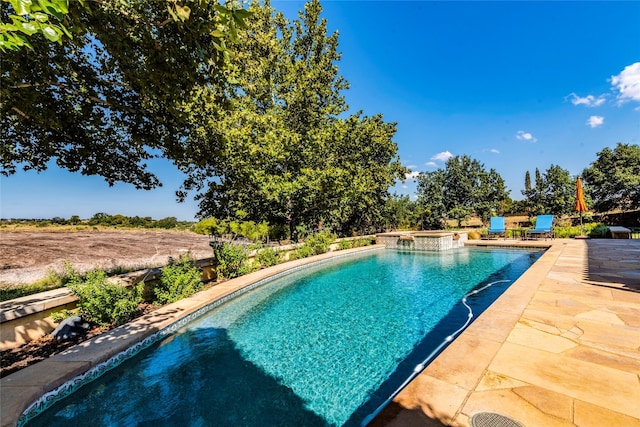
(28, 256)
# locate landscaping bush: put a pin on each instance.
(318, 243)
(364, 241)
(345, 244)
(59, 316)
(102, 302)
(179, 279)
(566, 232)
(598, 231)
(303, 251)
(231, 260)
(267, 257)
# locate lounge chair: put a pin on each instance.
(496, 226)
(544, 228)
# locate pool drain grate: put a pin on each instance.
(490, 419)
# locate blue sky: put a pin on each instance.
(515, 85)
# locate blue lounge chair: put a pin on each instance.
(496, 226)
(544, 227)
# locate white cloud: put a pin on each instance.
(494, 151)
(589, 100)
(525, 136)
(411, 175)
(627, 83)
(432, 164)
(595, 121)
(411, 167)
(442, 157)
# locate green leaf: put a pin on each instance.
(51, 9)
(217, 34)
(39, 16)
(51, 33)
(64, 29)
(242, 13)
(233, 34)
(22, 7)
(28, 28)
(62, 5)
(183, 12)
(239, 22)
(221, 9)
(172, 13)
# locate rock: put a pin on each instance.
(69, 328)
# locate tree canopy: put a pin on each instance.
(114, 93)
(462, 189)
(285, 154)
(613, 179)
(554, 192)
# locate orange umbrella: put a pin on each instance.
(580, 205)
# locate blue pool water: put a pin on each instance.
(322, 346)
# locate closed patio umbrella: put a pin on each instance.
(580, 205)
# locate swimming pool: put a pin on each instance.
(322, 346)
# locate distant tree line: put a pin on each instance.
(105, 220)
(464, 188)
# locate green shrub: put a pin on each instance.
(249, 266)
(52, 280)
(179, 279)
(318, 243)
(364, 241)
(231, 260)
(267, 257)
(599, 230)
(303, 251)
(566, 232)
(103, 302)
(59, 316)
(345, 244)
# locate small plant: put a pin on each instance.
(345, 244)
(249, 266)
(267, 257)
(59, 316)
(102, 302)
(318, 243)
(566, 232)
(599, 231)
(231, 259)
(304, 251)
(52, 280)
(364, 241)
(179, 279)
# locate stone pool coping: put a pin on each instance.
(561, 347)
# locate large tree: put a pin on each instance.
(463, 188)
(613, 179)
(286, 156)
(115, 94)
(431, 200)
(553, 193)
(559, 191)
